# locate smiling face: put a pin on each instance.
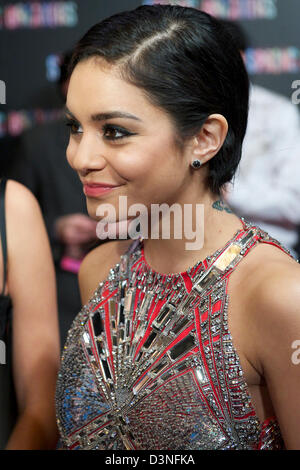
(118, 137)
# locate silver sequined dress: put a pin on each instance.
(149, 362)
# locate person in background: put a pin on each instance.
(28, 324)
(266, 187)
(41, 165)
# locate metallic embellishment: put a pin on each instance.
(150, 364)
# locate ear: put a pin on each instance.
(210, 138)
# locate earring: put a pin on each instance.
(196, 164)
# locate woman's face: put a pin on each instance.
(119, 138)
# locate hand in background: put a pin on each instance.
(75, 229)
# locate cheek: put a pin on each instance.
(149, 161)
(70, 153)
(153, 172)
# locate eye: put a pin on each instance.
(73, 125)
(113, 132)
(110, 131)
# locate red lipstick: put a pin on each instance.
(97, 189)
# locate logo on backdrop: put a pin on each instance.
(229, 9)
(34, 15)
(272, 60)
(15, 122)
(241, 9)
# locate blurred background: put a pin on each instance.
(35, 41)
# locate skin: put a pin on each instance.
(148, 167)
(74, 230)
(36, 350)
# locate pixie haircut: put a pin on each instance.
(186, 63)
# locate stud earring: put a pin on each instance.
(196, 164)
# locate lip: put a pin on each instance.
(96, 189)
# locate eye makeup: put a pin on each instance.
(110, 131)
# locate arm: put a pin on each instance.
(277, 314)
(31, 285)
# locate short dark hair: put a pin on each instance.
(64, 62)
(63, 67)
(238, 34)
(187, 64)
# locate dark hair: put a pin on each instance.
(238, 34)
(63, 67)
(64, 63)
(187, 64)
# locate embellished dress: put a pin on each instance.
(149, 362)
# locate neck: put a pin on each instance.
(211, 223)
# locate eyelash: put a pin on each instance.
(107, 127)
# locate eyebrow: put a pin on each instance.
(107, 115)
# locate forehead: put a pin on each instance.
(96, 86)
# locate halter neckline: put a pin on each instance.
(204, 262)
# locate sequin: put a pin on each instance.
(149, 362)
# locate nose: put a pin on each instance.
(86, 155)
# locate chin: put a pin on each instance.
(91, 210)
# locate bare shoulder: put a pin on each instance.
(271, 279)
(18, 193)
(96, 265)
(30, 264)
(277, 290)
(269, 276)
(24, 220)
(269, 268)
(264, 303)
(273, 307)
(20, 203)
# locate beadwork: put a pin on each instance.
(149, 362)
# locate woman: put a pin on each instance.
(30, 335)
(163, 356)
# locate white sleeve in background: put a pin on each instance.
(267, 183)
